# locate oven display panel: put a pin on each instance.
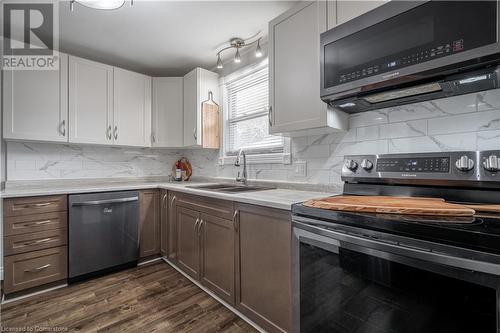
(420, 164)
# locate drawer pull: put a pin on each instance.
(37, 205)
(43, 204)
(37, 269)
(37, 223)
(40, 241)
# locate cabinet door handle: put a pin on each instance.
(174, 198)
(62, 128)
(37, 269)
(200, 226)
(108, 133)
(270, 116)
(164, 200)
(116, 132)
(153, 138)
(236, 220)
(195, 135)
(196, 225)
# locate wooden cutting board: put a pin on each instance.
(391, 205)
(210, 121)
(484, 208)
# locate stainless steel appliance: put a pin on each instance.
(103, 232)
(376, 272)
(409, 51)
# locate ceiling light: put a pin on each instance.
(237, 57)
(238, 43)
(258, 50)
(99, 4)
(219, 62)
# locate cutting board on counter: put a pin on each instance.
(391, 205)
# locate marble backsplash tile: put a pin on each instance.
(466, 122)
(32, 161)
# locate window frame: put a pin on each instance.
(256, 156)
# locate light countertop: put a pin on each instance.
(276, 198)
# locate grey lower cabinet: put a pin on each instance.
(205, 241)
(238, 251)
(149, 223)
(188, 241)
(34, 242)
(164, 223)
(263, 274)
(218, 256)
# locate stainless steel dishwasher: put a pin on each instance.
(103, 233)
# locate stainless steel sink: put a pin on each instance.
(230, 188)
(210, 186)
(248, 188)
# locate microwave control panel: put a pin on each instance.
(406, 60)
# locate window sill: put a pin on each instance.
(275, 158)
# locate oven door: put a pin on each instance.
(348, 283)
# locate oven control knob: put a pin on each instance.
(492, 163)
(464, 163)
(351, 165)
(366, 164)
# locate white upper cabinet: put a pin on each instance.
(294, 64)
(35, 105)
(348, 9)
(90, 102)
(132, 108)
(108, 105)
(167, 113)
(197, 84)
(331, 9)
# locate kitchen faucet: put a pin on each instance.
(237, 163)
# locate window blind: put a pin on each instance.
(248, 127)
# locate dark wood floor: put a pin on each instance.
(150, 298)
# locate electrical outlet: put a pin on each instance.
(300, 168)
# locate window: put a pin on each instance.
(247, 122)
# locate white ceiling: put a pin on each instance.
(162, 38)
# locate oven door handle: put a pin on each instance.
(335, 239)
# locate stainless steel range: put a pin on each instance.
(390, 272)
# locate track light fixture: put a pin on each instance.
(238, 43)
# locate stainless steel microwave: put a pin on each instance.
(407, 51)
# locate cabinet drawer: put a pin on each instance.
(214, 207)
(27, 270)
(34, 205)
(33, 223)
(16, 244)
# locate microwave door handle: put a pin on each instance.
(103, 202)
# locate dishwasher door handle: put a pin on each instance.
(103, 202)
